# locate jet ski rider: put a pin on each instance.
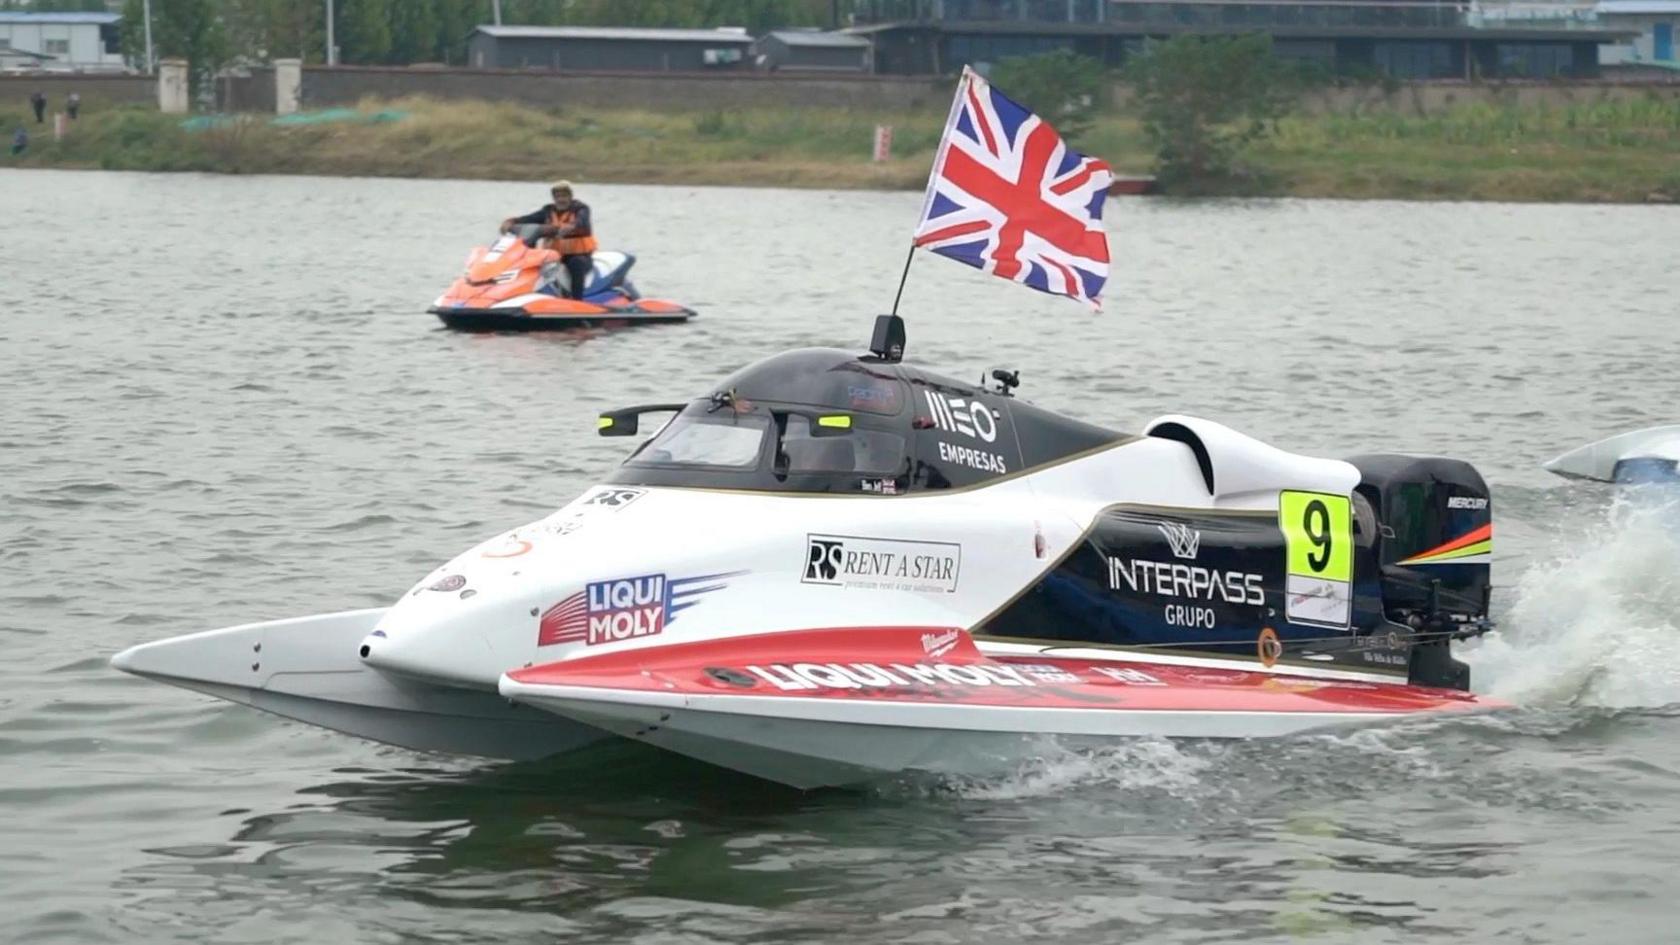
(566, 222)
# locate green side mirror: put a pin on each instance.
(618, 423)
(626, 421)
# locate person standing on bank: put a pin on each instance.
(38, 101)
(566, 223)
(73, 104)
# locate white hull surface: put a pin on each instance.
(1650, 454)
(308, 669)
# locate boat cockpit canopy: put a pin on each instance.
(822, 420)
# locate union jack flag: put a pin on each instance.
(1009, 197)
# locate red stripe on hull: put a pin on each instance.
(942, 665)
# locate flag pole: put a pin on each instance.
(933, 175)
(906, 275)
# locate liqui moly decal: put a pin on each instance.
(1130, 676)
(622, 609)
(793, 677)
(971, 418)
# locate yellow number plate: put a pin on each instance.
(1318, 550)
(1318, 532)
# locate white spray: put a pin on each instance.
(1598, 624)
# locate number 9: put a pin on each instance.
(1320, 535)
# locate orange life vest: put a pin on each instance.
(569, 245)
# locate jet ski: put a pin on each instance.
(1650, 455)
(514, 284)
(834, 567)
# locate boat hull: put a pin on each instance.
(574, 316)
(308, 669)
(839, 707)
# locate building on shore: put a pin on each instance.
(1653, 25)
(608, 49)
(62, 42)
(1404, 39)
(813, 51)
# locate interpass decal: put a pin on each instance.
(625, 608)
(886, 564)
(1168, 579)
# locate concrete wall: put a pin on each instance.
(94, 89)
(345, 85)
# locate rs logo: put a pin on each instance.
(822, 560)
(614, 498)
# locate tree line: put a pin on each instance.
(215, 33)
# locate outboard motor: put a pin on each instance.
(1434, 525)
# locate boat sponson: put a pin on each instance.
(813, 697)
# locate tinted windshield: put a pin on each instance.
(863, 450)
(774, 447)
(708, 438)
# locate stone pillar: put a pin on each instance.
(172, 86)
(288, 85)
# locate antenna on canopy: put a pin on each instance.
(888, 341)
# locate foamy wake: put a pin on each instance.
(1156, 764)
(1598, 623)
(1595, 622)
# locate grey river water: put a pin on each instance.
(220, 401)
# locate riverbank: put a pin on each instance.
(1626, 151)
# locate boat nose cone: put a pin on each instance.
(450, 640)
(220, 657)
(125, 660)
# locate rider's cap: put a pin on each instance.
(565, 185)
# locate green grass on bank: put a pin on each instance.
(1605, 151)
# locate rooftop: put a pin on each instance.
(1638, 6)
(724, 35)
(99, 19)
(815, 38)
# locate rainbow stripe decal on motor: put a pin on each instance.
(1474, 548)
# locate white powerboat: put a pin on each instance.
(833, 568)
(1648, 455)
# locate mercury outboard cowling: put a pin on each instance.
(1435, 534)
